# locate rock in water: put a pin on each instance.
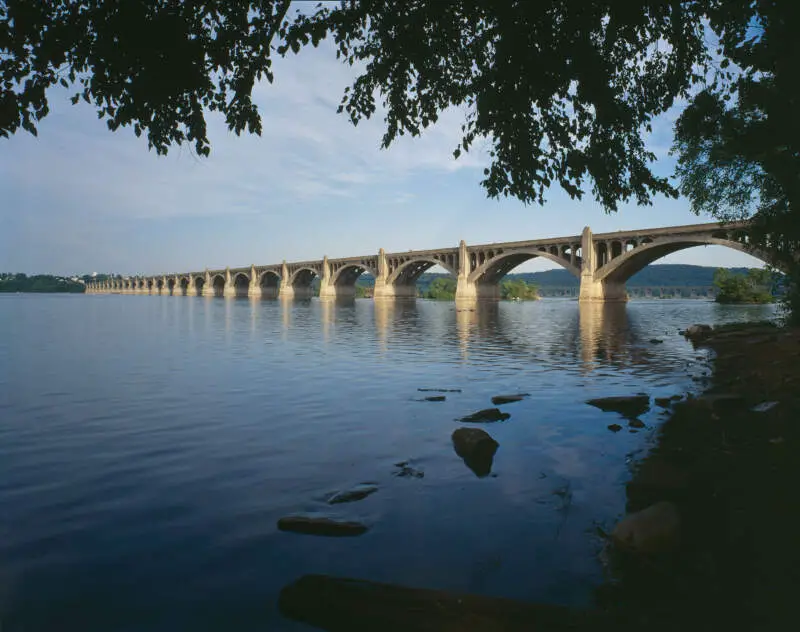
(652, 530)
(359, 492)
(477, 448)
(498, 400)
(698, 332)
(636, 423)
(628, 406)
(313, 525)
(614, 427)
(488, 415)
(434, 398)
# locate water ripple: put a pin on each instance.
(148, 446)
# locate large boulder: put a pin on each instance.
(477, 448)
(318, 525)
(487, 415)
(695, 333)
(652, 530)
(629, 406)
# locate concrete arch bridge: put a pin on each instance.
(602, 262)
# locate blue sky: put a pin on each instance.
(79, 198)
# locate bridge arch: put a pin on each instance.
(302, 277)
(184, 285)
(241, 283)
(269, 283)
(622, 267)
(407, 272)
(495, 268)
(218, 284)
(197, 284)
(348, 274)
(269, 278)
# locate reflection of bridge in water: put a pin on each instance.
(601, 262)
(589, 335)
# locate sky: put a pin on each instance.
(79, 199)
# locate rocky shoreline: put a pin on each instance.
(718, 495)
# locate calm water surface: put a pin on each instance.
(148, 446)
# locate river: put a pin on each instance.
(148, 446)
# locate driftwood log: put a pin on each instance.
(339, 604)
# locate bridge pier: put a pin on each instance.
(593, 290)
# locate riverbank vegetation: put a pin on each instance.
(753, 287)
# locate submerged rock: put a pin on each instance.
(359, 492)
(477, 448)
(655, 341)
(636, 423)
(614, 427)
(487, 415)
(627, 406)
(406, 471)
(652, 530)
(318, 525)
(434, 398)
(499, 400)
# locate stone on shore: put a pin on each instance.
(499, 400)
(665, 402)
(657, 479)
(477, 448)
(317, 525)
(627, 406)
(652, 530)
(359, 492)
(717, 402)
(487, 415)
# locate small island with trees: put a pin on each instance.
(753, 287)
(444, 289)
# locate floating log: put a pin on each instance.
(341, 604)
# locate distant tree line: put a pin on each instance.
(18, 282)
